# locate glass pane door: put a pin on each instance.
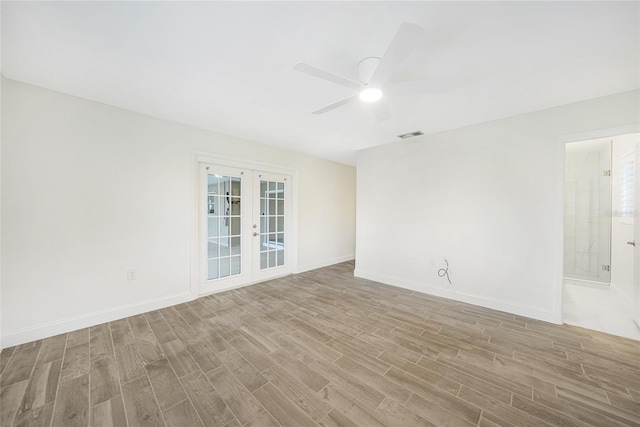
(225, 228)
(224, 231)
(272, 221)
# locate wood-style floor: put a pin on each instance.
(323, 348)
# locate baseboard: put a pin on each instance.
(533, 312)
(83, 321)
(78, 322)
(325, 263)
(621, 292)
(586, 283)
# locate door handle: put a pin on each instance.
(632, 243)
(255, 234)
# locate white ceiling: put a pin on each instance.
(228, 66)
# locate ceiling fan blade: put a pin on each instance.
(405, 41)
(326, 75)
(381, 110)
(335, 105)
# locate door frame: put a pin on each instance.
(636, 234)
(222, 160)
(558, 247)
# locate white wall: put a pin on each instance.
(621, 231)
(487, 197)
(0, 214)
(89, 191)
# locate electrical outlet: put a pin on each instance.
(132, 274)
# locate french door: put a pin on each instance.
(244, 226)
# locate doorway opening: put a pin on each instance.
(599, 232)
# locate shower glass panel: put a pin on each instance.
(587, 218)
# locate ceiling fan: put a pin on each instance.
(373, 72)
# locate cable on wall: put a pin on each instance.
(444, 272)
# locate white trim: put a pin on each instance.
(531, 311)
(597, 134)
(325, 263)
(86, 320)
(558, 229)
(193, 227)
(586, 283)
(237, 162)
(293, 243)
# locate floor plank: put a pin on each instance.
(182, 414)
(213, 411)
(109, 413)
(297, 392)
(140, 404)
(72, 402)
(165, 384)
(19, 367)
(129, 363)
(236, 396)
(43, 386)
(10, 398)
(282, 409)
(76, 362)
(52, 349)
(36, 417)
(105, 383)
(100, 342)
(242, 369)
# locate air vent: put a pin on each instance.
(410, 134)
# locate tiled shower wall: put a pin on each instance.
(587, 249)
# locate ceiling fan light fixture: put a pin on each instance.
(370, 94)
